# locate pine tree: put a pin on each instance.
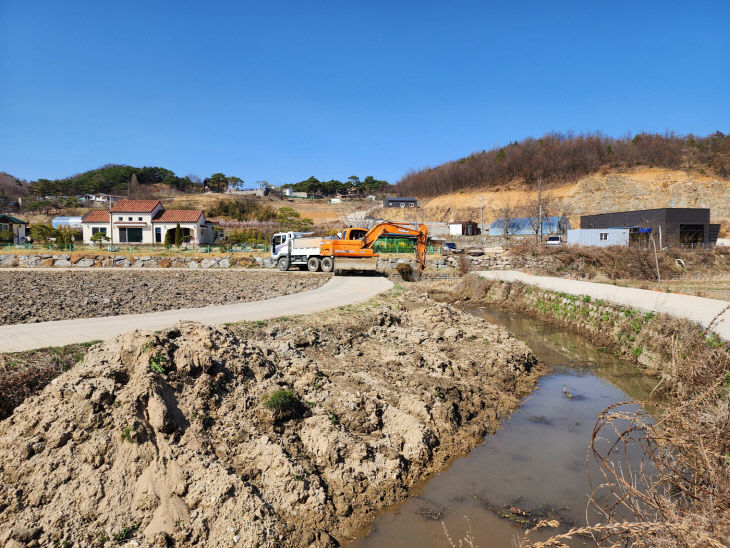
(178, 235)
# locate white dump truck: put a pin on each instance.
(296, 249)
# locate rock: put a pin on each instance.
(8, 260)
(208, 263)
(224, 263)
(62, 262)
(452, 333)
(29, 260)
(193, 264)
(84, 263)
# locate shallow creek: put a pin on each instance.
(535, 463)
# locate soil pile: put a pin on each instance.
(46, 295)
(282, 433)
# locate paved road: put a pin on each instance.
(706, 312)
(340, 290)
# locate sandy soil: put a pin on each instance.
(172, 439)
(45, 295)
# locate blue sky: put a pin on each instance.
(284, 90)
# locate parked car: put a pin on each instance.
(449, 247)
(554, 240)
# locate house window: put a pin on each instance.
(130, 218)
(411, 204)
(120, 218)
(603, 236)
(95, 229)
(4, 226)
(130, 235)
(403, 204)
(139, 218)
(158, 235)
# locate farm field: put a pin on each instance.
(29, 296)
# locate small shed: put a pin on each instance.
(400, 202)
(463, 228)
(599, 237)
(14, 225)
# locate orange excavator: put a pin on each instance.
(351, 250)
(354, 251)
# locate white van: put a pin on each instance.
(554, 240)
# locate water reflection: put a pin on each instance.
(535, 466)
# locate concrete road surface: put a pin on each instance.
(340, 290)
(711, 313)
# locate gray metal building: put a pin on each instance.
(670, 226)
(598, 237)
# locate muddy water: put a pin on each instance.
(536, 462)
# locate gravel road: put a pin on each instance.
(46, 295)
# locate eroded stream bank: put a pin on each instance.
(535, 466)
(291, 432)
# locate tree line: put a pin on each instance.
(114, 179)
(366, 186)
(559, 157)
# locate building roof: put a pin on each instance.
(524, 225)
(404, 199)
(178, 216)
(98, 216)
(14, 220)
(135, 206)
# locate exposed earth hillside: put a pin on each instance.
(640, 188)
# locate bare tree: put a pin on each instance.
(506, 212)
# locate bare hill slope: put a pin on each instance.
(640, 188)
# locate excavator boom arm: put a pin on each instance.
(421, 235)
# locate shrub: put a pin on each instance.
(178, 235)
(6, 236)
(284, 403)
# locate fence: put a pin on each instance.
(401, 246)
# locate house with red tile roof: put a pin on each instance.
(146, 222)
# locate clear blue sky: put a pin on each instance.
(284, 90)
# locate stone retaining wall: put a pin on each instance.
(495, 261)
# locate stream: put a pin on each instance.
(536, 462)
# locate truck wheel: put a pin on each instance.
(313, 264)
(328, 263)
(283, 263)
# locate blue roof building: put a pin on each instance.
(523, 226)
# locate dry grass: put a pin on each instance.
(627, 263)
(22, 374)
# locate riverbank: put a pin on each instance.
(712, 314)
(688, 501)
(285, 432)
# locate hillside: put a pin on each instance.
(116, 179)
(639, 188)
(557, 158)
(11, 186)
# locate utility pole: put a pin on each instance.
(481, 207)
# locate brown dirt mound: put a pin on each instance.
(169, 438)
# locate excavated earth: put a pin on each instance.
(45, 295)
(169, 438)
